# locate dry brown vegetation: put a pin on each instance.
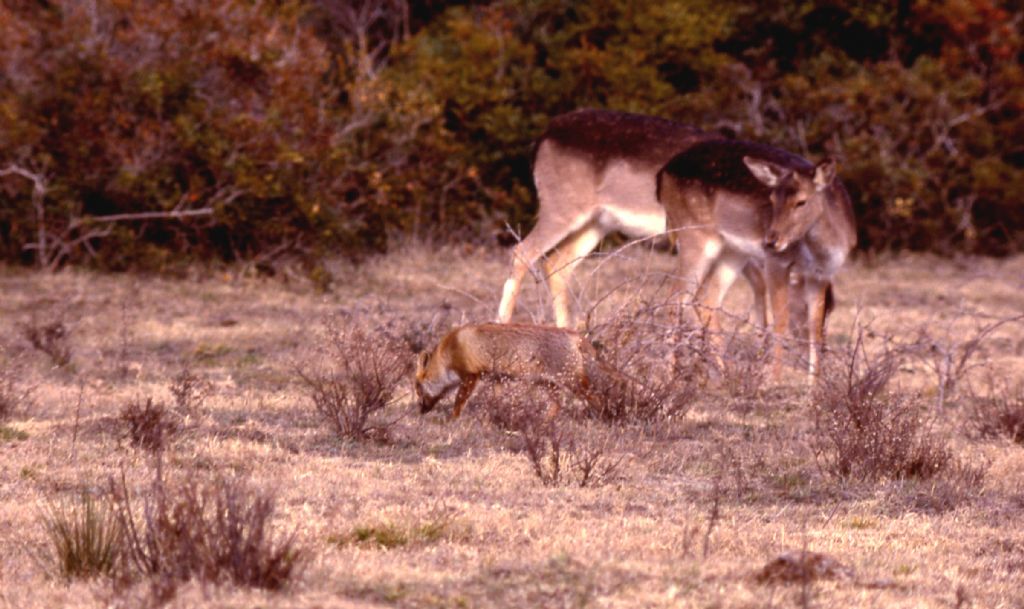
(676, 484)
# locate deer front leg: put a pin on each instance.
(465, 390)
(816, 296)
(778, 296)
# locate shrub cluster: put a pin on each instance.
(215, 531)
(560, 451)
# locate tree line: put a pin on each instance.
(146, 134)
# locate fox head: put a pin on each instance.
(431, 385)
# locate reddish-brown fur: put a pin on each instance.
(540, 353)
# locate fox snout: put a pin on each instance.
(426, 402)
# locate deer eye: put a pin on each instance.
(800, 203)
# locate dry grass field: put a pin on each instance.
(923, 509)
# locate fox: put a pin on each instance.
(545, 354)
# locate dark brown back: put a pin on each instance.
(605, 135)
(719, 164)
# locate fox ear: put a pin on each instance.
(766, 172)
(421, 361)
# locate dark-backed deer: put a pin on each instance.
(595, 174)
(732, 203)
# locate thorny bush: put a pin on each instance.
(560, 451)
(362, 372)
(215, 531)
(649, 367)
(865, 429)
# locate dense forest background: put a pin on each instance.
(151, 134)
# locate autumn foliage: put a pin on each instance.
(257, 131)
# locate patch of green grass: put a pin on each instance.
(389, 535)
(249, 359)
(207, 354)
(860, 523)
(9, 434)
(384, 535)
(902, 570)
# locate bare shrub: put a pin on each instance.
(14, 398)
(363, 374)
(999, 414)
(649, 368)
(867, 431)
(52, 338)
(189, 391)
(560, 452)
(148, 424)
(85, 538)
(216, 531)
(950, 356)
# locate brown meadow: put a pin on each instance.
(692, 500)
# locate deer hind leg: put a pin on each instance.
(561, 263)
(465, 390)
(549, 232)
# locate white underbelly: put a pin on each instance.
(744, 244)
(627, 203)
(636, 224)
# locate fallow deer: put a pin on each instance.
(731, 203)
(595, 174)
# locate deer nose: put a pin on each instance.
(771, 240)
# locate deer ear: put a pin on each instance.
(766, 172)
(825, 173)
(421, 361)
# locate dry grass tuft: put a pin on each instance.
(85, 538)
(217, 531)
(364, 373)
(999, 415)
(148, 425)
(53, 339)
(189, 391)
(960, 482)
(11, 399)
